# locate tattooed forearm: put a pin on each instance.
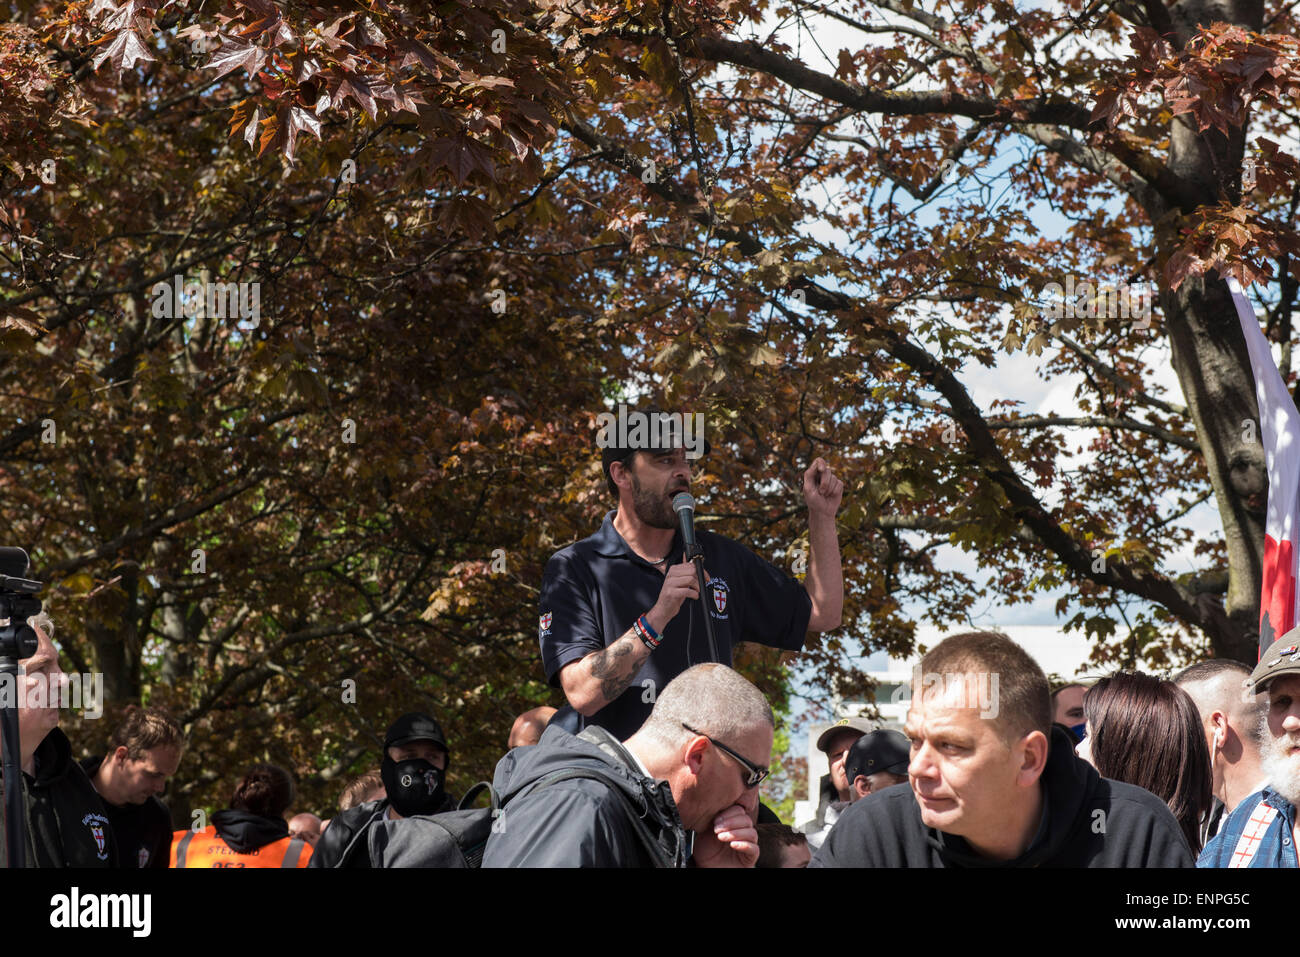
(615, 667)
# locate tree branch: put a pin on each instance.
(1052, 110)
(173, 516)
(1096, 422)
(1095, 362)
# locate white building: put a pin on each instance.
(1057, 653)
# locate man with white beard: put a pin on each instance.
(1261, 831)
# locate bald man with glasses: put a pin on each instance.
(754, 773)
(682, 790)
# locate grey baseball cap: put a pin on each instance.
(1281, 658)
(860, 725)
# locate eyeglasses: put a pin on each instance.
(757, 772)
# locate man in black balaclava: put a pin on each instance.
(413, 769)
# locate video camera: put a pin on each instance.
(18, 602)
(18, 640)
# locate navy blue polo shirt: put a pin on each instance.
(594, 589)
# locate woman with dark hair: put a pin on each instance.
(251, 833)
(1146, 731)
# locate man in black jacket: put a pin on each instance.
(67, 825)
(144, 751)
(988, 786)
(413, 770)
(681, 790)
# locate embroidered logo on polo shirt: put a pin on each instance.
(143, 856)
(97, 823)
(544, 625)
(720, 596)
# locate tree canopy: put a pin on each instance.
(309, 310)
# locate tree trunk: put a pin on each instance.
(1209, 355)
(114, 634)
(1209, 352)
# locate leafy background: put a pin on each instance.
(473, 226)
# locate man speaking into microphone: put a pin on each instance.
(620, 615)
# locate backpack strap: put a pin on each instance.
(472, 795)
(635, 816)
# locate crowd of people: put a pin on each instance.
(1202, 768)
(656, 757)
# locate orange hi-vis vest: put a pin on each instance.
(205, 849)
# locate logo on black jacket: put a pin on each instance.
(98, 825)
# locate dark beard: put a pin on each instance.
(653, 510)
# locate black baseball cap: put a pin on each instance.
(617, 445)
(415, 727)
(877, 751)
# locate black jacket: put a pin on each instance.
(67, 824)
(343, 842)
(1090, 821)
(143, 832)
(581, 822)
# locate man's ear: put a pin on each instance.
(1218, 727)
(1033, 749)
(625, 472)
(693, 756)
(861, 785)
(1223, 739)
(120, 754)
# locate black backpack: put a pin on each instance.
(459, 838)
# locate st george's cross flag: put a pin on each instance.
(1279, 426)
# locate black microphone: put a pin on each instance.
(684, 506)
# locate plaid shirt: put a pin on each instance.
(1260, 833)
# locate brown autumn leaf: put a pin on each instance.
(124, 50)
(462, 155)
(234, 55)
